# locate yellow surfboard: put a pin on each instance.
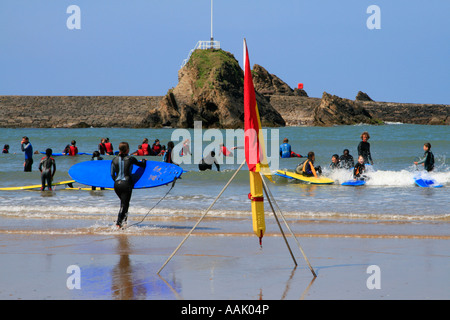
(36, 186)
(309, 180)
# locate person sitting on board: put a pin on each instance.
(428, 158)
(121, 168)
(5, 148)
(47, 167)
(139, 151)
(307, 168)
(359, 170)
(346, 160)
(73, 150)
(335, 162)
(101, 146)
(207, 162)
(364, 148)
(156, 147)
(109, 147)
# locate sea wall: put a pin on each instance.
(134, 112)
(75, 111)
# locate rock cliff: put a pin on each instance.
(210, 89)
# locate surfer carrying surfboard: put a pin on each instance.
(121, 169)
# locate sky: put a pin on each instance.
(136, 47)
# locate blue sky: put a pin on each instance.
(136, 47)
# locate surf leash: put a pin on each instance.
(136, 223)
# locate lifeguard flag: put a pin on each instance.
(254, 139)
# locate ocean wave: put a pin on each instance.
(106, 214)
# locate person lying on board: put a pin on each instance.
(359, 170)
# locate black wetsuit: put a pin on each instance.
(364, 150)
(428, 161)
(47, 167)
(346, 162)
(207, 162)
(358, 171)
(121, 168)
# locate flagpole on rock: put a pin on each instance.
(201, 218)
(267, 190)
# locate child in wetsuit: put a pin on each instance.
(428, 160)
(360, 169)
(121, 168)
(47, 167)
(307, 168)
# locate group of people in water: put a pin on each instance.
(346, 161)
(121, 166)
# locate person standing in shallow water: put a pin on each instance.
(47, 167)
(28, 149)
(121, 168)
(364, 148)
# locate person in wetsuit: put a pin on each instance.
(28, 149)
(428, 158)
(47, 167)
(360, 169)
(364, 148)
(207, 162)
(121, 168)
(335, 162)
(307, 168)
(346, 160)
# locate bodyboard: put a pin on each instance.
(309, 180)
(98, 174)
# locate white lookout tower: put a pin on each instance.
(210, 44)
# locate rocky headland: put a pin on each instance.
(210, 89)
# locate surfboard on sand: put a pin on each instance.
(36, 186)
(309, 180)
(98, 174)
(354, 183)
(426, 183)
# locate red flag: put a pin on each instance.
(252, 123)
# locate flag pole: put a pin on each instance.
(266, 188)
(278, 221)
(201, 218)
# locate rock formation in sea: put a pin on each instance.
(210, 89)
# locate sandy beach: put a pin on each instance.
(221, 267)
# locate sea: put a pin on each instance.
(389, 205)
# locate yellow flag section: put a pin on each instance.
(254, 149)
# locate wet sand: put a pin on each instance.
(213, 266)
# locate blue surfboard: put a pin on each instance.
(427, 183)
(65, 154)
(354, 183)
(98, 174)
